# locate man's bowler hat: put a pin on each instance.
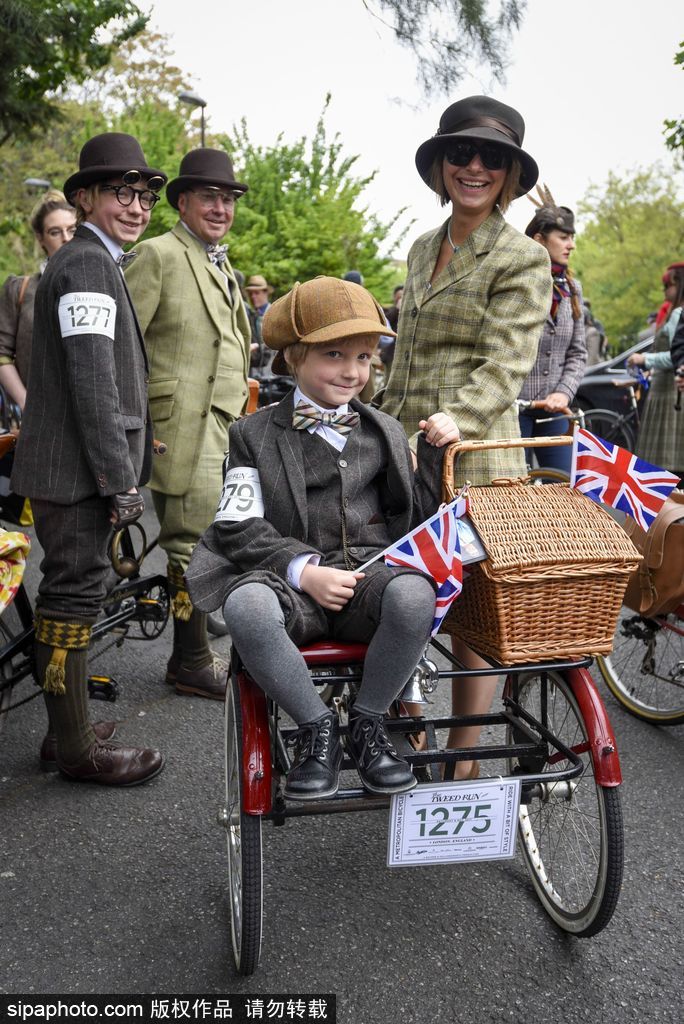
(486, 119)
(203, 168)
(111, 155)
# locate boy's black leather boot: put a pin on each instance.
(318, 756)
(381, 769)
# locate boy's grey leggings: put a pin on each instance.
(257, 627)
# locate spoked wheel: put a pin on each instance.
(610, 426)
(645, 671)
(13, 671)
(547, 475)
(244, 846)
(571, 834)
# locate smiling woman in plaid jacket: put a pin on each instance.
(474, 305)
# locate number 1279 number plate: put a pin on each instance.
(462, 821)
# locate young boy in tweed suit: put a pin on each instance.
(333, 484)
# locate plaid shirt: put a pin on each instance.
(466, 343)
(562, 354)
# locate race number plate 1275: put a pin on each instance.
(241, 497)
(463, 821)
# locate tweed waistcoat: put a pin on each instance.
(344, 500)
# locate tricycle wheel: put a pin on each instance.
(244, 846)
(645, 671)
(571, 833)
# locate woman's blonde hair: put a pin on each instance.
(509, 190)
(48, 203)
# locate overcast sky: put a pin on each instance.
(594, 80)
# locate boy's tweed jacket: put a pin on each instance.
(267, 441)
(197, 336)
(562, 354)
(84, 430)
(467, 342)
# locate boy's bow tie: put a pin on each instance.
(306, 415)
(217, 254)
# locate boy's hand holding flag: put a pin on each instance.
(434, 549)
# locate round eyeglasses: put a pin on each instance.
(125, 195)
(209, 196)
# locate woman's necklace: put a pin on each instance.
(455, 248)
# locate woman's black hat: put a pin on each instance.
(108, 156)
(203, 167)
(479, 117)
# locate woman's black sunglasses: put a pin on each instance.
(493, 157)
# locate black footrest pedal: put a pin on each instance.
(103, 688)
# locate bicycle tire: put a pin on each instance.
(610, 426)
(14, 670)
(645, 670)
(243, 833)
(573, 846)
(541, 476)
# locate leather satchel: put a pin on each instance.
(657, 586)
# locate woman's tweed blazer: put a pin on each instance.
(466, 344)
(562, 354)
(16, 323)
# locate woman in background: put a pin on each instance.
(53, 223)
(562, 354)
(661, 434)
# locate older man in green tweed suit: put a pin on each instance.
(197, 336)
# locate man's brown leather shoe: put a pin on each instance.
(111, 765)
(48, 748)
(209, 681)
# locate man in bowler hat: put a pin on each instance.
(86, 444)
(198, 342)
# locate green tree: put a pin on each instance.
(135, 93)
(674, 129)
(449, 37)
(633, 228)
(45, 44)
(303, 215)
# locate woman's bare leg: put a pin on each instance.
(472, 696)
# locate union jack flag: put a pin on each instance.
(434, 548)
(609, 474)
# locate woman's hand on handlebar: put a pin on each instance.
(440, 429)
(555, 402)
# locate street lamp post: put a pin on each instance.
(195, 101)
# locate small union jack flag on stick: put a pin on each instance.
(434, 549)
(609, 474)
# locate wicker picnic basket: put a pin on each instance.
(556, 571)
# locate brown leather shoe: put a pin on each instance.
(111, 765)
(48, 748)
(209, 681)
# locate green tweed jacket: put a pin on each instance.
(197, 337)
(467, 342)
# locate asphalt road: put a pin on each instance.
(105, 891)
